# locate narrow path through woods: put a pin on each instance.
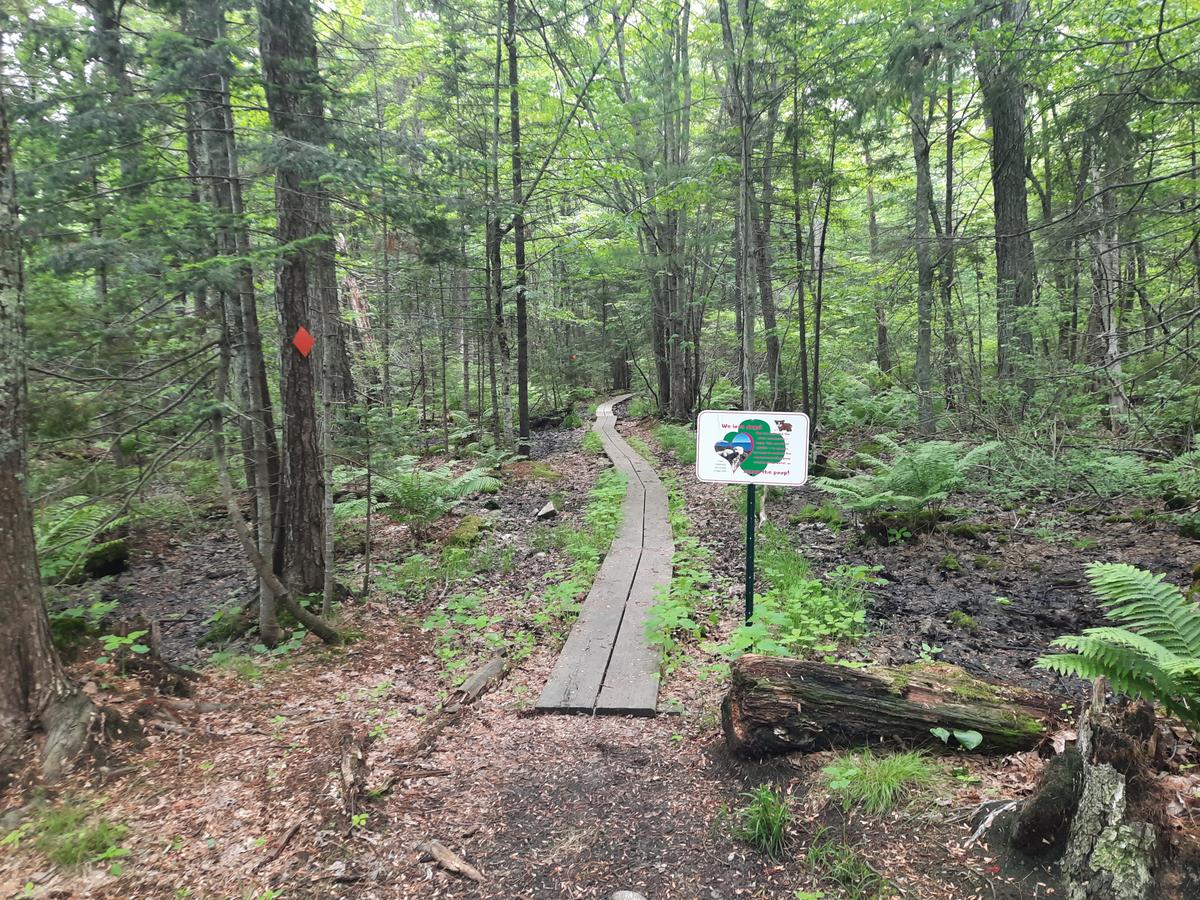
(607, 665)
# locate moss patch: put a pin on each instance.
(959, 619)
(466, 532)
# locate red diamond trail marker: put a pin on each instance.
(303, 341)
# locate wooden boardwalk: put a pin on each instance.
(607, 665)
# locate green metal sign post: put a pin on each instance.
(752, 447)
(751, 500)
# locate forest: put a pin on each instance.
(355, 532)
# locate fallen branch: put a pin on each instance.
(451, 861)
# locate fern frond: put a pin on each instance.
(1144, 602)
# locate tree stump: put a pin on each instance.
(779, 705)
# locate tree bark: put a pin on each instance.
(518, 228)
(1004, 97)
(780, 705)
(923, 242)
(291, 80)
(34, 690)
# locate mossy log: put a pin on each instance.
(779, 705)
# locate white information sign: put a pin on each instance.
(751, 447)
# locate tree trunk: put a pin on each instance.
(926, 425)
(798, 234)
(291, 80)
(781, 705)
(1004, 97)
(34, 690)
(765, 260)
(518, 227)
(951, 375)
(883, 352)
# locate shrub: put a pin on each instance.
(917, 477)
(878, 783)
(764, 820)
(1153, 652)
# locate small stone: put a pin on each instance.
(549, 511)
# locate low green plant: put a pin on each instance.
(1153, 649)
(842, 864)
(675, 617)
(121, 645)
(417, 496)
(72, 835)
(799, 613)
(239, 663)
(763, 822)
(592, 444)
(572, 420)
(878, 782)
(640, 407)
(66, 533)
(679, 440)
(962, 621)
(827, 512)
(917, 477)
(966, 738)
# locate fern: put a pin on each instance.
(66, 532)
(1153, 652)
(917, 476)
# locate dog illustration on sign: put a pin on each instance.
(734, 449)
(783, 424)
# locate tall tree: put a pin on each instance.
(1000, 77)
(34, 690)
(294, 101)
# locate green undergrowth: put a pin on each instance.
(763, 822)
(679, 614)
(844, 865)
(592, 444)
(799, 613)
(463, 627)
(878, 782)
(71, 835)
(678, 439)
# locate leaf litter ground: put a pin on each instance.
(240, 798)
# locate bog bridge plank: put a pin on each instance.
(607, 665)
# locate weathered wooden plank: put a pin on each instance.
(631, 682)
(607, 664)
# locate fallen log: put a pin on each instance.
(780, 705)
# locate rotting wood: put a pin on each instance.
(494, 669)
(451, 861)
(779, 705)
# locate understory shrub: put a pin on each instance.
(1153, 649)
(1028, 472)
(415, 495)
(66, 533)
